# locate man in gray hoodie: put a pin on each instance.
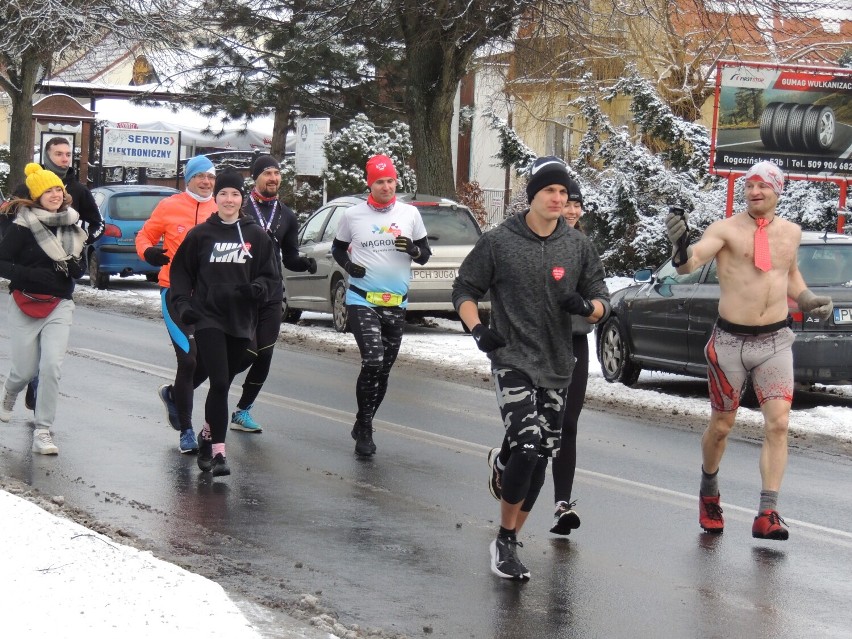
(539, 272)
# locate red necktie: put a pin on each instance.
(762, 259)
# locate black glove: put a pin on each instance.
(189, 316)
(310, 264)
(405, 245)
(576, 304)
(355, 270)
(677, 228)
(156, 256)
(486, 339)
(252, 291)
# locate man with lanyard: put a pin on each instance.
(281, 225)
(383, 236)
(170, 221)
(58, 156)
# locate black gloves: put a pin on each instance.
(156, 256)
(355, 270)
(310, 264)
(677, 228)
(405, 245)
(189, 316)
(251, 291)
(576, 304)
(486, 339)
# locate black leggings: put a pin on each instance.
(224, 357)
(268, 329)
(378, 333)
(190, 370)
(565, 463)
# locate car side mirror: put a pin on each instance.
(643, 276)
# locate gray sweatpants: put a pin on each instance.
(38, 348)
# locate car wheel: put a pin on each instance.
(766, 124)
(96, 278)
(290, 315)
(794, 127)
(339, 316)
(818, 128)
(779, 125)
(614, 355)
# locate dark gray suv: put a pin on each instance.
(452, 231)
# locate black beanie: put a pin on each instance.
(261, 163)
(545, 171)
(229, 178)
(574, 192)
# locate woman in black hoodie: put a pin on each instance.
(221, 273)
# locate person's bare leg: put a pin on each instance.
(773, 455)
(715, 439)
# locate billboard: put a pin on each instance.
(135, 147)
(310, 155)
(798, 117)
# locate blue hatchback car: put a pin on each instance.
(124, 208)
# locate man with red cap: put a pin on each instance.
(375, 244)
(755, 254)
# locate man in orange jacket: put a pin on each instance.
(170, 221)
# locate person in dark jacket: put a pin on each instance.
(221, 274)
(41, 256)
(539, 272)
(279, 221)
(58, 156)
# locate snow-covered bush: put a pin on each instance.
(348, 150)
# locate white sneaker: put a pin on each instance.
(42, 443)
(7, 406)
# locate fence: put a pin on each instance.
(495, 206)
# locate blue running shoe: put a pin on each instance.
(188, 443)
(166, 394)
(241, 419)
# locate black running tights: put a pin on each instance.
(223, 356)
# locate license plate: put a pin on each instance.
(842, 315)
(433, 274)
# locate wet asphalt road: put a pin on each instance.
(400, 542)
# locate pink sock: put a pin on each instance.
(218, 449)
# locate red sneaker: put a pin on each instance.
(769, 525)
(710, 514)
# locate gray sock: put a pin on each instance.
(709, 483)
(768, 500)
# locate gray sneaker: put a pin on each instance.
(565, 518)
(7, 406)
(504, 559)
(42, 442)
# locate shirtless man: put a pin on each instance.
(755, 255)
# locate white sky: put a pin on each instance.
(94, 587)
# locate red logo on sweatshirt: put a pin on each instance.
(558, 273)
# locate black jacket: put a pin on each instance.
(81, 200)
(211, 266)
(281, 224)
(20, 255)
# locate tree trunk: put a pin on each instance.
(430, 120)
(281, 122)
(20, 138)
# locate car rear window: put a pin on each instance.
(134, 206)
(826, 264)
(447, 225)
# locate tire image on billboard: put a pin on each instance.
(803, 127)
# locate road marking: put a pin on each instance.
(674, 497)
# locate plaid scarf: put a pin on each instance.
(66, 245)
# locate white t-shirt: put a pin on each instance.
(371, 237)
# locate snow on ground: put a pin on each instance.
(63, 580)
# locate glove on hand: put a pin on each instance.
(189, 316)
(310, 265)
(677, 228)
(819, 305)
(405, 245)
(251, 291)
(486, 339)
(156, 256)
(355, 270)
(576, 304)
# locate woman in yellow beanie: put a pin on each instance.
(41, 254)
